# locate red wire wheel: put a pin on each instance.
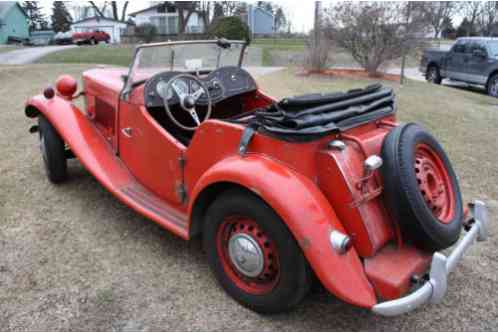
(243, 239)
(434, 183)
(421, 189)
(248, 256)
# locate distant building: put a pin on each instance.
(166, 19)
(114, 28)
(259, 20)
(13, 22)
(41, 37)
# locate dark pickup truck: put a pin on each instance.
(473, 60)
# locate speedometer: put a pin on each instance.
(161, 90)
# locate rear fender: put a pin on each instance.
(307, 214)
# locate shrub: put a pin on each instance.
(230, 27)
(147, 31)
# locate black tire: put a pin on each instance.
(408, 204)
(492, 86)
(433, 75)
(295, 275)
(53, 151)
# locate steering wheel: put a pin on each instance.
(188, 101)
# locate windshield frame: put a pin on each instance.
(129, 84)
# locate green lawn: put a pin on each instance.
(101, 54)
(8, 48)
(268, 45)
(464, 121)
(75, 258)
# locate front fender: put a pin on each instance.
(85, 141)
(308, 215)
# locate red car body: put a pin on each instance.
(312, 186)
(91, 37)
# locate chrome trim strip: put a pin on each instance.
(434, 290)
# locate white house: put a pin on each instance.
(113, 27)
(165, 18)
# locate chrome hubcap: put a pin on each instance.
(432, 75)
(494, 88)
(246, 255)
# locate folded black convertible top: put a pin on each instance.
(308, 117)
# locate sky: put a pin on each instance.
(300, 12)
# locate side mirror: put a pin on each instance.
(479, 53)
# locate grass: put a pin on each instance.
(464, 121)
(8, 48)
(101, 54)
(269, 45)
(75, 259)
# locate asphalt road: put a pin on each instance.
(29, 54)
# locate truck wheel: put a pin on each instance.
(421, 189)
(433, 75)
(492, 86)
(53, 151)
(93, 41)
(253, 255)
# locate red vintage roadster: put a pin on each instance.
(329, 185)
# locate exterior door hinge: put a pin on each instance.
(181, 189)
(181, 192)
(182, 161)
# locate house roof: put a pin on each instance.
(264, 11)
(5, 6)
(145, 10)
(151, 8)
(99, 18)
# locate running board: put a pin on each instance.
(156, 209)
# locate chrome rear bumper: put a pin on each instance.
(435, 288)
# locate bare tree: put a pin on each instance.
(487, 19)
(376, 32)
(101, 11)
(436, 12)
(471, 10)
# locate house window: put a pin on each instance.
(166, 25)
(172, 24)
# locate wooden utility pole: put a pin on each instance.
(317, 34)
(403, 59)
(317, 26)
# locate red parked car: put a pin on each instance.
(91, 37)
(329, 185)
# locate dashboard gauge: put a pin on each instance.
(180, 86)
(194, 86)
(161, 90)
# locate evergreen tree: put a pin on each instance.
(465, 29)
(36, 19)
(218, 10)
(280, 19)
(61, 19)
(447, 28)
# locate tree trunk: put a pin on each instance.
(123, 13)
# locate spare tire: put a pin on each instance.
(420, 188)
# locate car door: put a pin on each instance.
(151, 154)
(455, 65)
(477, 63)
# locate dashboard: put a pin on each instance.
(222, 83)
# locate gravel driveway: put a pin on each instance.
(29, 54)
(74, 258)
